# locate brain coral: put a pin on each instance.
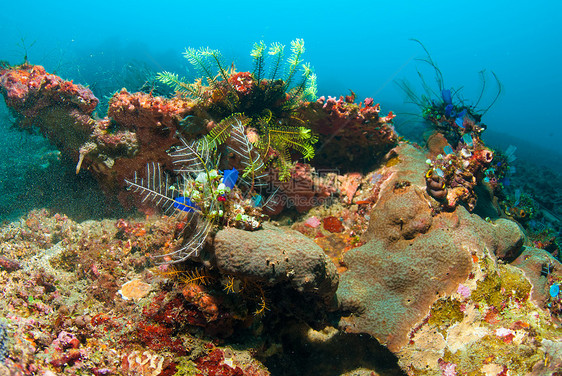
(411, 259)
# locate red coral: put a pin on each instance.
(349, 133)
(332, 224)
(159, 338)
(207, 304)
(29, 89)
(243, 82)
(213, 365)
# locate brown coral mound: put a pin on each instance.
(412, 258)
(351, 135)
(275, 256)
(61, 109)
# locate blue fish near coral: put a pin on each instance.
(448, 150)
(230, 177)
(258, 201)
(185, 204)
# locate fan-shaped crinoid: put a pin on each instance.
(194, 198)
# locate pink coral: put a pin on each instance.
(463, 290)
(312, 222)
(447, 369)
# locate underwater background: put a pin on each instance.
(359, 46)
(362, 46)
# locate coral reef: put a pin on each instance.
(269, 101)
(351, 136)
(276, 124)
(68, 317)
(61, 109)
(386, 254)
(453, 176)
(109, 148)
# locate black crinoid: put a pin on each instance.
(267, 98)
(446, 108)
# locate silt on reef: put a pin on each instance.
(65, 314)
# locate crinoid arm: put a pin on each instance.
(305, 89)
(206, 61)
(259, 60)
(191, 157)
(196, 231)
(179, 85)
(297, 50)
(154, 188)
(276, 51)
(221, 132)
(157, 189)
(250, 159)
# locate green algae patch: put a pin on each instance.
(444, 313)
(515, 283)
(499, 286)
(186, 368)
(492, 350)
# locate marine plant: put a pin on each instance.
(446, 108)
(193, 199)
(268, 97)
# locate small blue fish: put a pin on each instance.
(448, 150)
(230, 177)
(185, 204)
(257, 200)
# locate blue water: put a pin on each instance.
(363, 46)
